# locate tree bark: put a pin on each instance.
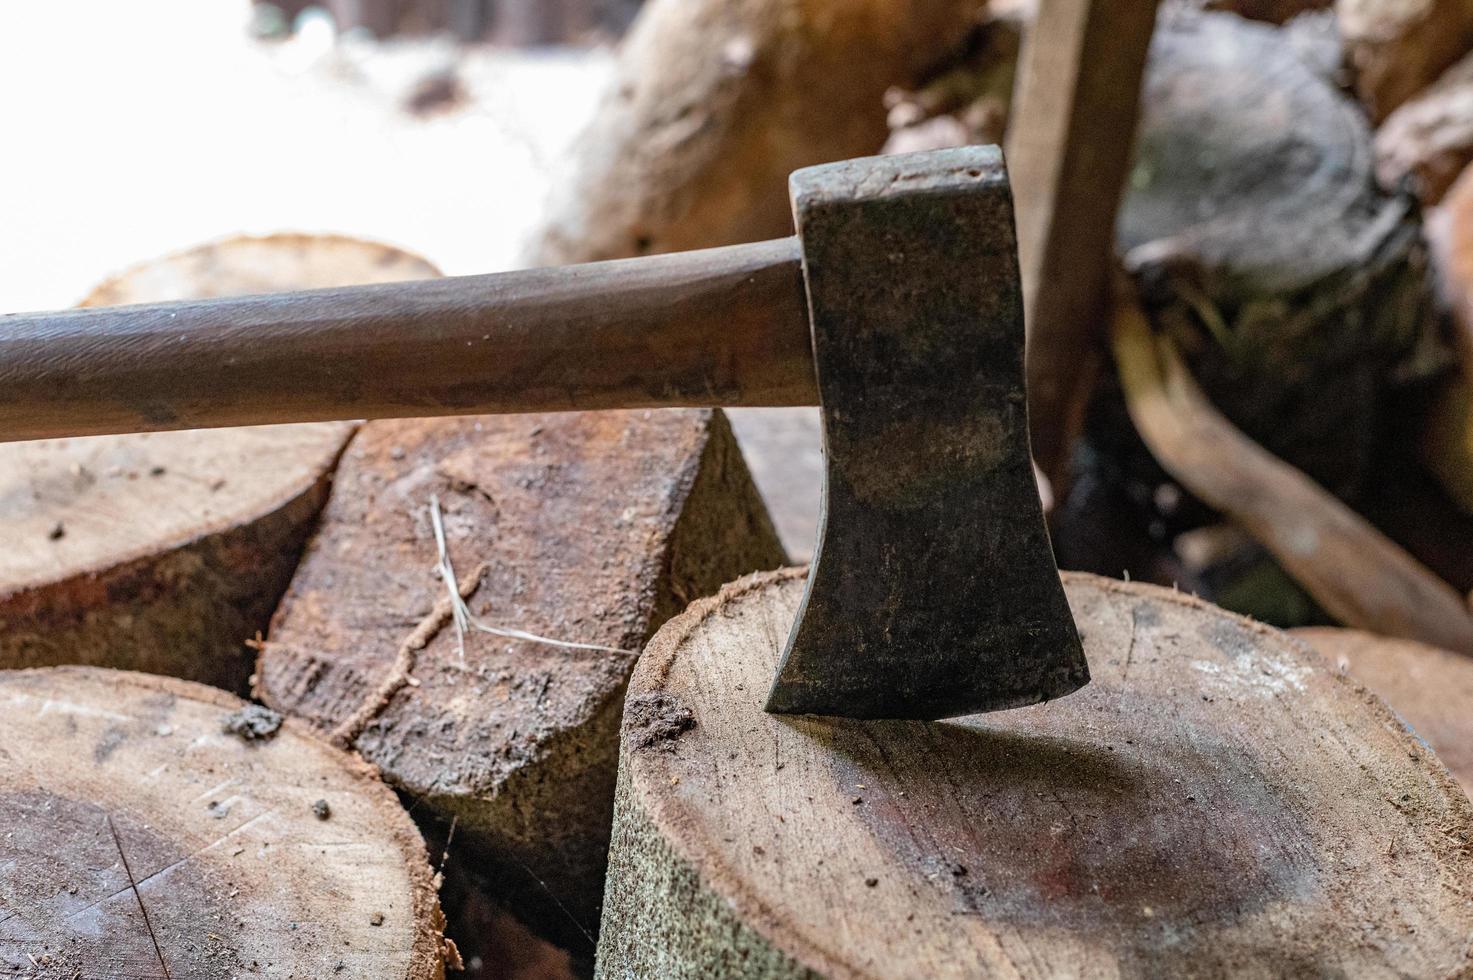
(588, 528)
(152, 829)
(714, 103)
(1431, 688)
(166, 552)
(1216, 803)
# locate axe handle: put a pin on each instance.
(726, 326)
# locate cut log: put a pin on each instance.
(715, 102)
(1215, 803)
(1397, 47)
(166, 552)
(1431, 688)
(248, 264)
(784, 448)
(1265, 249)
(1428, 141)
(587, 528)
(158, 828)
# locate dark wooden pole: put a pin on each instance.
(1069, 151)
(717, 327)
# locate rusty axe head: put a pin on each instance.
(933, 590)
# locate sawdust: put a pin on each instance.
(253, 723)
(657, 719)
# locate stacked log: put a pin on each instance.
(159, 828)
(166, 552)
(1216, 802)
(715, 103)
(588, 529)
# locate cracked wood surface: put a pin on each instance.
(166, 551)
(1217, 802)
(592, 528)
(132, 818)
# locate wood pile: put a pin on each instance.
(508, 672)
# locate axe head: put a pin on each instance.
(933, 590)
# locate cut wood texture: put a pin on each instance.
(588, 528)
(1069, 150)
(157, 828)
(715, 102)
(1263, 246)
(1360, 576)
(166, 552)
(1431, 688)
(1428, 141)
(1215, 803)
(1397, 47)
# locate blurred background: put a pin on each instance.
(134, 129)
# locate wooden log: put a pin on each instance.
(1431, 688)
(1428, 140)
(1396, 47)
(1358, 574)
(784, 448)
(1215, 803)
(589, 528)
(1266, 251)
(246, 264)
(166, 552)
(159, 828)
(714, 103)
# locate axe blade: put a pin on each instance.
(933, 590)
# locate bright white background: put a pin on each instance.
(130, 128)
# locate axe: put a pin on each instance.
(896, 308)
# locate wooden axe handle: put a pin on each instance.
(725, 326)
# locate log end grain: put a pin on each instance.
(135, 815)
(1431, 688)
(589, 528)
(1216, 802)
(165, 552)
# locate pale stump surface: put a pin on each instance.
(1431, 688)
(1216, 802)
(590, 528)
(166, 551)
(239, 875)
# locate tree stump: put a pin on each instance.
(1431, 688)
(1215, 803)
(155, 827)
(166, 551)
(590, 528)
(1265, 249)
